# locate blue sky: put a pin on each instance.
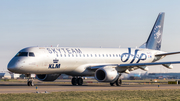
(86, 23)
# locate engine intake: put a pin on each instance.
(47, 77)
(106, 74)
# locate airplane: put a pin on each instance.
(105, 64)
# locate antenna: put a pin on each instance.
(57, 45)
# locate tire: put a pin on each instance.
(112, 84)
(74, 81)
(118, 82)
(28, 83)
(80, 81)
(31, 82)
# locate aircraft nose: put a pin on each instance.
(13, 66)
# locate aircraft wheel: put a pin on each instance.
(112, 84)
(74, 81)
(80, 81)
(118, 82)
(30, 83)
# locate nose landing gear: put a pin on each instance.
(30, 80)
(30, 83)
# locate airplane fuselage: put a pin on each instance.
(75, 61)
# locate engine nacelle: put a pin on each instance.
(47, 77)
(106, 74)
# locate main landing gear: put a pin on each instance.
(30, 80)
(76, 81)
(118, 82)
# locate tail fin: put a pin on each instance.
(155, 37)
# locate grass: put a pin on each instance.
(124, 95)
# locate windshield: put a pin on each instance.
(22, 54)
(31, 54)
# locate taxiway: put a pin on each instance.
(23, 88)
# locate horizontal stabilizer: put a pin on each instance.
(164, 54)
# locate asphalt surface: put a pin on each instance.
(15, 87)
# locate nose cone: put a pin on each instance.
(13, 65)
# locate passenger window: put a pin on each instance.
(64, 55)
(83, 55)
(87, 55)
(72, 55)
(99, 55)
(109, 55)
(91, 55)
(31, 54)
(106, 55)
(21, 54)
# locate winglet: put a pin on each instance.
(155, 37)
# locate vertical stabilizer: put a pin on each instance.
(155, 37)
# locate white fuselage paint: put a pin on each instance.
(75, 61)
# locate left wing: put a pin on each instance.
(148, 64)
(139, 65)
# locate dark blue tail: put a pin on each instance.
(155, 37)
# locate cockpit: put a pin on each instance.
(25, 54)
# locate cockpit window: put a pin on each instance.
(31, 54)
(22, 54)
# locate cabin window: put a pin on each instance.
(72, 55)
(99, 55)
(87, 55)
(106, 55)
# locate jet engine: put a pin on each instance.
(47, 77)
(106, 74)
